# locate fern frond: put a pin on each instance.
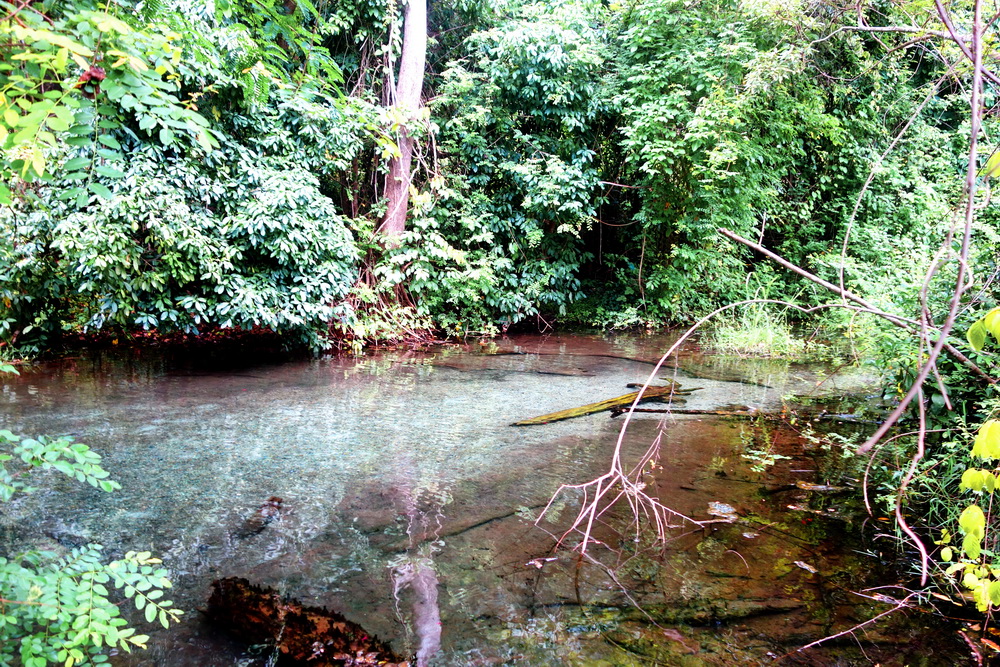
(151, 9)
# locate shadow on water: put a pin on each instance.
(407, 503)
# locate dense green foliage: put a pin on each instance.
(234, 228)
(172, 167)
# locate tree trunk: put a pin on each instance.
(408, 88)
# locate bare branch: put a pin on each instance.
(976, 112)
(901, 604)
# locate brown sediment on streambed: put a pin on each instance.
(300, 635)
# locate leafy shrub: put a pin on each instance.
(178, 248)
(521, 115)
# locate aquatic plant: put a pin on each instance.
(756, 332)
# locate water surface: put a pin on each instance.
(406, 462)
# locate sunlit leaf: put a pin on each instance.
(994, 592)
(992, 322)
(972, 521)
(971, 480)
(972, 546)
(977, 335)
(987, 442)
(992, 165)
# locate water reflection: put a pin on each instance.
(413, 572)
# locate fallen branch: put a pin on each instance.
(618, 412)
(651, 393)
(900, 604)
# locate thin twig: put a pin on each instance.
(901, 604)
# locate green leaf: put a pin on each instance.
(992, 322)
(994, 592)
(57, 124)
(992, 165)
(150, 613)
(110, 172)
(109, 141)
(100, 190)
(972, 546)
(977, 333)
(76, 163)
(987, 442)
(978, 480)
(971, 479)
(206, 140)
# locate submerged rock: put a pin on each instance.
(723, 511)
(259, 520)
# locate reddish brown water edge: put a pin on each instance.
(408, 503)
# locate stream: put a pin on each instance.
(408, 502)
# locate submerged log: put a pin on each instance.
(666, 392)
(618, 412)
(301, 635)
(466, 369)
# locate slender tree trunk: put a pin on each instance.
(408, 87)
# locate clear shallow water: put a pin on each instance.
(394, 461)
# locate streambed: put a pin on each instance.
(406, 461)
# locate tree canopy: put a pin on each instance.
(177, 166)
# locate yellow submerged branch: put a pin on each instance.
(662, 393)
